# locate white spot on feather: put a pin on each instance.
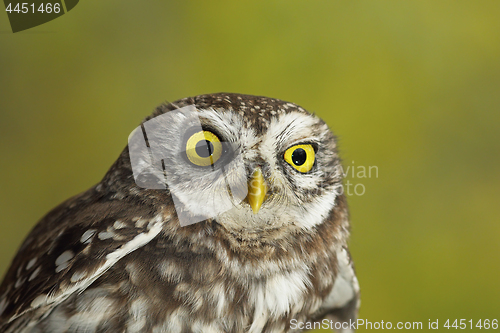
(63, 260)
(31, 263)
(140, 222)
(137, 242)
(19, 282)
(35, 273)
(119, 225)
(77, 276)
(170, 271)
(174, 323)
(88, 317)
(3, 305)
(87, 235)
(137, 321)
(219, 298)
(346, 284)
(105, 235)
(202, 327)
(39, 300)
(276, 296)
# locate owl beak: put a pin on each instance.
(257, 190)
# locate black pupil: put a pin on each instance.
(299, 156)
(204, 148)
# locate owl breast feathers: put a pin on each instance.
(225, 213)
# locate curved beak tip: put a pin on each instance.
(257, 190)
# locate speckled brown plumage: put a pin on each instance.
(115, 258)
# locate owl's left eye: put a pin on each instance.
(203, 148)
(301, 157)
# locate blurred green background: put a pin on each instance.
(412, 87)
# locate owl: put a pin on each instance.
(224, 213)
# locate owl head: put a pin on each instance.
(252, 164)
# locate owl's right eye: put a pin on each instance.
(301, 157)
(203, 148)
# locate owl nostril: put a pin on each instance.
(265, 170)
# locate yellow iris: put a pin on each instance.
(301, 157)
(203, 148)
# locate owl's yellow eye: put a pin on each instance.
(203, 148)
(301, 157)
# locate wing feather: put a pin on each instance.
(69, 249)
